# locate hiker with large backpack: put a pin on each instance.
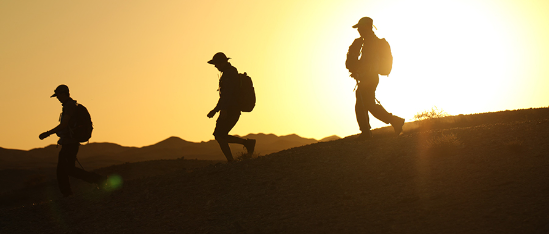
(369, 56)
(75, 126)
(236, 95)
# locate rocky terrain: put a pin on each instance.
(483, 173)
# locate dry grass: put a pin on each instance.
(516, 145)
(242, 156)
(444, 143)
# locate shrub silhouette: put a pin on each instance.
(434, 113)
(430, 119)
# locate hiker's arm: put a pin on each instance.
(228, 95)
(215, 110)
(352, 58)
(64, 123)
(212, 113)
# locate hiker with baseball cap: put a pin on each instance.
(369, 56)
(70, 143)
(228, 106)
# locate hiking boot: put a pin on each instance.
(250, 144)
(397, 125)
(367, 135)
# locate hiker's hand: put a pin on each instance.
(44, 135)
(211, 114)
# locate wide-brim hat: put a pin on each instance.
(364, 22)
(218, 58)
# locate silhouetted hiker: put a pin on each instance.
(228, 106)
(69, 144)
(375, 59)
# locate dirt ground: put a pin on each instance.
(484, 176)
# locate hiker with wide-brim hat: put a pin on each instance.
(228, 106)
(364, 64)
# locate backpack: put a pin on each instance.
(247, 95)
(385, 58)
(83, 126)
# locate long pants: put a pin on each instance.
(365, 103)
(221, 133)
(66, 167)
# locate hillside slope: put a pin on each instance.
(19, 168)
(489, 177)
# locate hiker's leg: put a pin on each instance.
(249, 144)
(77, 172)
(234, 139)
(367, 89)
(232, 119)
(224, 146)
(221, 133)
(380, 113)
(63, 167)
(375, 109)
(361, 112)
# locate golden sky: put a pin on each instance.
(140, 66)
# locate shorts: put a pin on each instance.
(223, 126)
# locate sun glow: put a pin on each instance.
(449, 54)
(449, 57)
(142, 65)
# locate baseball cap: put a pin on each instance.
(60, 89)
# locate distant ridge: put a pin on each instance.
(330, 138)
(170, 143)
(101, 154)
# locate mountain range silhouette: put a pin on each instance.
(97, 155)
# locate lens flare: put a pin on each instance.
(115, 182)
